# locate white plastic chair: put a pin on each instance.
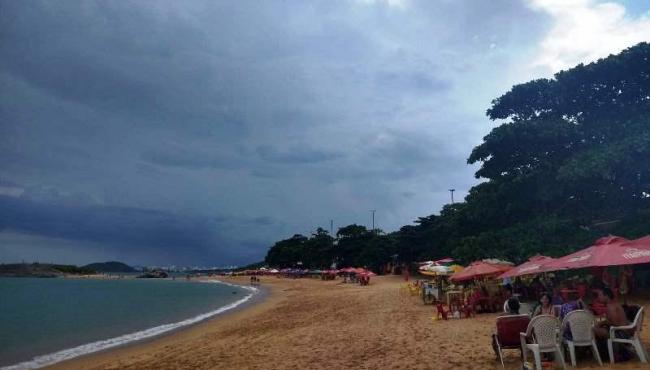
(581, 324)
(544, 330)
(635, 340)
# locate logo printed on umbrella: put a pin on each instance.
(529, 268)
(580, 258)
(632, 253)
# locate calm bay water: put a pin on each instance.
(43, 316)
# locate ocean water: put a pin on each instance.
(43, 321)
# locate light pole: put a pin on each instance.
(452, 195)
(373, 219)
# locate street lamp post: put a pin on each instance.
(373, 219)
(452, 195)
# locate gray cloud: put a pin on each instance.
(296, 155)
(190, 238)
(210, 129)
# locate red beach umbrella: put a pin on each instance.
(607, 251)
(534, 265)
(642, 242)
(480, 269)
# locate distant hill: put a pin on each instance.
(42, 270)
(112, 266)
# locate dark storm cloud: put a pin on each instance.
(116, 225)
(295, 155)
(192, 158)
(207, 130)
(192, 238)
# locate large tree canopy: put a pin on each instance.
(578, 142)
(569, 162)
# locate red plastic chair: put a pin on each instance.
(507, 332)
(442, 313)
(468, 310)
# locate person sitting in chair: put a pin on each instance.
(513, 306)
(615, 316)
(512, 309)
(544, 306)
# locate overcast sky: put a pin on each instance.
(201, 132)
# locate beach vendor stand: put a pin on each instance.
(486, 294)
(438, 271)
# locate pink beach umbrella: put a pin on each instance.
(480, 269)
(641, 242)
(445, 260)
(534, 265)
(367, 273)
(607, 251)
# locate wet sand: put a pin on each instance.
(314, 324)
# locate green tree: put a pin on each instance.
(287, 252)
(319, 250)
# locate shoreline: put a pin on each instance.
(253, 295)
(163, 340)
(314, 324)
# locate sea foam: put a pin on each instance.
(84, 349)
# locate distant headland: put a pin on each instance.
(56, 270)
(111, 266)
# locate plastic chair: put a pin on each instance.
(635, 340)
(507, 332)
(544, 330)
(441, 313)
(468, 309)
(581, 324)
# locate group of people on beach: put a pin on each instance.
(615, 314)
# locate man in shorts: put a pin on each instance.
(615, 317)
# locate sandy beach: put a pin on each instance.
(313, 324)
